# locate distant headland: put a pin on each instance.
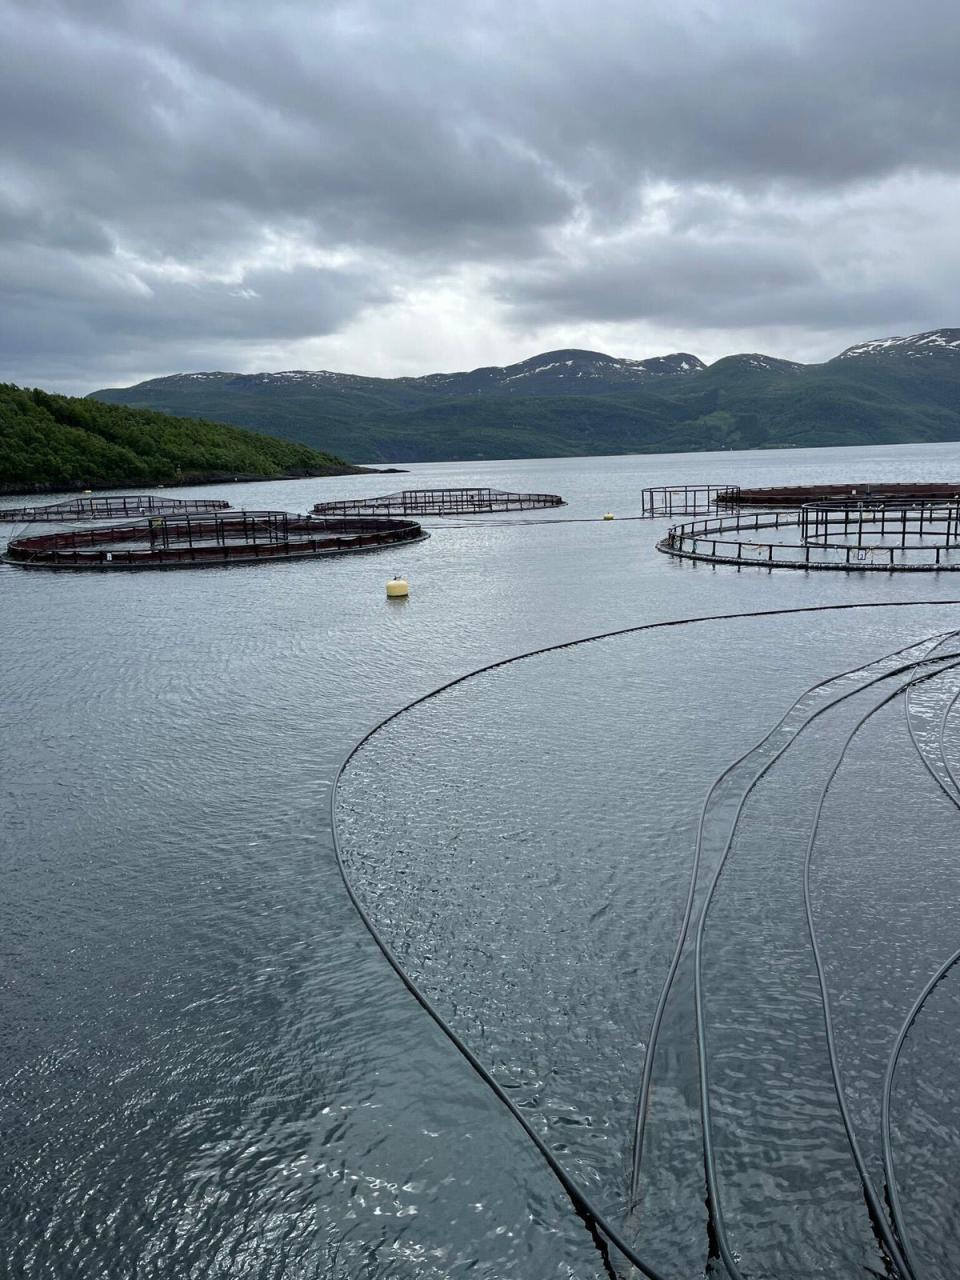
(51, 443)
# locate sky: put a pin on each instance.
(412, 186)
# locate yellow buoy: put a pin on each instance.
(398, 589)
(608, 516)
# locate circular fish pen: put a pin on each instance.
(188, 541)
(878, 523)
(859, 491)
(440, 502)
(686, 499)
(875, 534)
(109, 508)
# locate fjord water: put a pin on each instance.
(208, 1069)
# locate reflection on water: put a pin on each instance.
(209, 1070)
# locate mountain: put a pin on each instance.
(746, 365)
(573, 402)
(920, 346)
(50, 443)
(559, 373)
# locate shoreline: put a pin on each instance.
(190, 481)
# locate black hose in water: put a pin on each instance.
(653, 1038)
(889, 1169)
(893, 1188)
(581, 1202)
(941, 741)
(713, 1192)
(893, 1246)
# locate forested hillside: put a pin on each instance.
(50, 443)
(584, 402)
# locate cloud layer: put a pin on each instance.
(403, 188)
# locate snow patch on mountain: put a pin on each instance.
(916, 345)
(756, 361)
(770, 362)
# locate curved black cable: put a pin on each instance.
(893, 1189)
(941, 740)
(918, 746)
(653, 1038)
(580, 1200)
(923, 755)
(713, 1192)
(870, 1192)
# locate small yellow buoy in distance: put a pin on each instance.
(398, 589)
(608, 516)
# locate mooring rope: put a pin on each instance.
(583, 1204)
(482, 523)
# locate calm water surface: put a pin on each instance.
(208, 1068)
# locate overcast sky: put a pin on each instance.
(408, 186)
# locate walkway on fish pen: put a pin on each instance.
(700, 499)
(189, 541)
(440, 502)
(109, 508)
(856, 491)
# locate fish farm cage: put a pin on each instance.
(929, 522)
(109, 508)
(797, 496)
(440, 502)
(685, 499)
(192, 541)
(893, 536)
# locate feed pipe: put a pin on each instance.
(716, 1209)
(940, 740)
(869, 1190)
(580, 1200)
(654, 1036)
(893, 1189)
(923, 755)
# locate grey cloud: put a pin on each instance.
(60, 228)
(421, 136)
(185, 139)
(469, 122)
(725, 284)
(107, 318)
(267, 304)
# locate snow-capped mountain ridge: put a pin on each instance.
(579, 402)
(568, 366)
(566, 370)
(555, 367)
(750, 360)
(915, 346)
